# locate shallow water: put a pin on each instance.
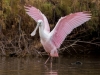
(60, 66)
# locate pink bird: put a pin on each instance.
(51, 41)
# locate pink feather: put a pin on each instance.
(66, 24)
(37, 15)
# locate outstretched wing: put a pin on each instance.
(37, 15)
(66, 24)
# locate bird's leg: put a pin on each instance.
(47, 59)
(51, 61)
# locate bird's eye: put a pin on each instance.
(40, 23)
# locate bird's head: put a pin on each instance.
(39, 23)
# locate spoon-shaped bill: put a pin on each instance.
(34, 32)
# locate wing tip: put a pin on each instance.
(87, 12)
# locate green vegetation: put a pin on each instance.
(16, 26)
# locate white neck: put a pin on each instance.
(42, 33)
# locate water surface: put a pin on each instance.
(60, 66)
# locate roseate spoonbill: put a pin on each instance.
(51, 41)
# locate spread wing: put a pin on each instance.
(66, 24)
(37, 15)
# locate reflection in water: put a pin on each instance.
(51, 71)
(35, 66)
